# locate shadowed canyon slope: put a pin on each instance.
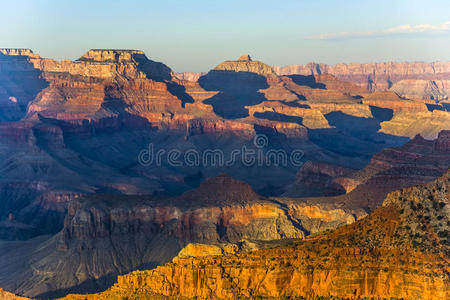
(401, 250)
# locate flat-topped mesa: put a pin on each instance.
(17, 51)
(112, 55)
(246, 64)
(106, 63)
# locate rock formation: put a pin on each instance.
(71, 133)
(104, 236)
(422, 89)
(318, 179)
(189, 76)
(4, 295)
(55, 115)
(374, 76)
(416, 162)
(401, 250)
(221, 215)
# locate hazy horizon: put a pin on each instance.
(195, 36)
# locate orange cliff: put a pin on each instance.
(401, 250)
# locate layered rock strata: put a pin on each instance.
(401, 250)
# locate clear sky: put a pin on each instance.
(196, 35)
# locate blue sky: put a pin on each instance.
(196, 35)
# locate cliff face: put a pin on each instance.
(20, 82)
(72, 128)
(416, 80)
(374, 76)
(189, 76)
(401, 250)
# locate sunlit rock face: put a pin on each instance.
(400, 250)
(10, 296)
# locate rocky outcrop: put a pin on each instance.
(400, 250)
(86, 121)
(20, 82)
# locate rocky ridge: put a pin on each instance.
(87, 121)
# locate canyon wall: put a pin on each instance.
(400, 251)
(108, 235)
(374, 76)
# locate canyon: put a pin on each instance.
(407, 231)
(79, 206)
(108, 235)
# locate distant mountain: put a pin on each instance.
(414, 80)
(374, 76)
